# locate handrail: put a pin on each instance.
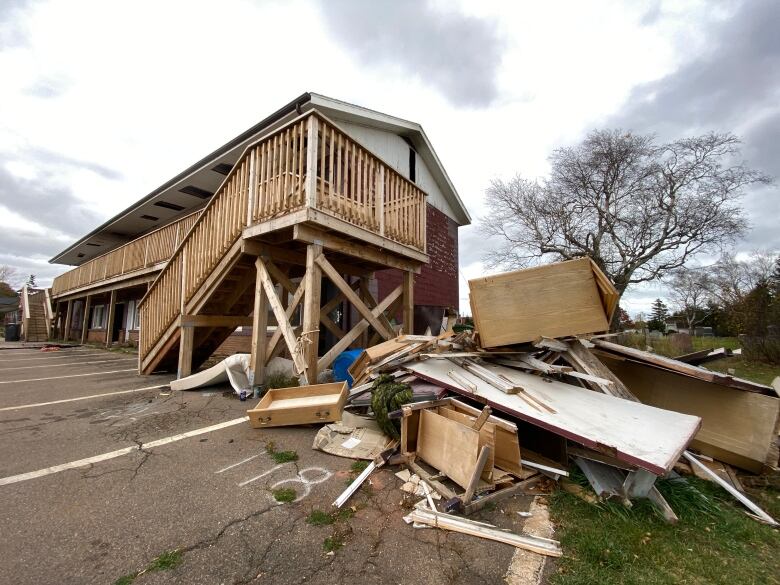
(308, 162)
(143, 252)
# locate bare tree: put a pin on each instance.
(10, 276)
(637, 208)
(690, 291)
(729, 280)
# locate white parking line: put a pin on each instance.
(22, 406)
(243, 483)
(237, 464)
(70, 364)
(118, 453)
(69, 376)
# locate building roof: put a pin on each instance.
(191, 189)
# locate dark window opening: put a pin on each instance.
(196, 191)
(412, 165)
(167, 205)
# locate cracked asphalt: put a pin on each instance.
(208, 496)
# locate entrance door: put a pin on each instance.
(119, 319)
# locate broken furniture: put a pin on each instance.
(554, 300)
(318, 403)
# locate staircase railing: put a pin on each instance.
(309, 162)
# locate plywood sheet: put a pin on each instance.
(643, 435)
(554, 300)
(449, 446)
(737, 427)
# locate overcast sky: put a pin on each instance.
(101, 101)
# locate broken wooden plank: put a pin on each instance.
(544, 546)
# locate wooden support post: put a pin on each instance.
(186, 339)
(85, 319)
(408, 315)
(57, 321)
(259, 332)
(68, 318)
(310, 185)
(110, 322)
(484, 455)
(638, 483)
(312, 282)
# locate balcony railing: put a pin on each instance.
(309, 163)
(136, 256)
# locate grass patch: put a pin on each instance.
(332, 543)
(284, 456)
(281, 381)
(714, 541)
(358, 467)
(760, 372)
(166, 561)
(320, 518)
(285, 495)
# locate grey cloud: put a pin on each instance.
(47, 88)
(652, 14)
(51, 159)
(457, 54)
(734, 86)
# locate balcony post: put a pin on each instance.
(186, 339)
(310, 185)
(380, 199)
(111, 316)
(259, 333)
(252, 186)
(68, 317)
(85, 320)
(408, 302)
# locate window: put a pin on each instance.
(133, 315)
(98, 317)
(412, 165)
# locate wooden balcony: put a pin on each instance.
(146, 254)
(307, 172)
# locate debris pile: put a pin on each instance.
(476, 415)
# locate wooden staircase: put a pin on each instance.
(36, 322)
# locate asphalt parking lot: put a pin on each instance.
(102, 471)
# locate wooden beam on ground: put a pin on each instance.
(186, 339)
(231, 321)
(484, 454)
(352, 297)
(110, 322)
(357, 330)
(259, 329)
(408, 316)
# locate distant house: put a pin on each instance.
(680, 325)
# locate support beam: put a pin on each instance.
(186, 339)
(312, 282)
(352, 297)
(110, 321)
(259, 332)
(408, 315)
(357, 330)
(639, 483)
(85, 319)
(231, 321)
(282, 322)
(271, 349)
(68, 318)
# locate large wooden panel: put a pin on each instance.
(555, 300)
(449, 446)
(738, 427)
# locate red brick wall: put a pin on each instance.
(96, 335)
(437, 283)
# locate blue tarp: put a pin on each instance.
(342, 363)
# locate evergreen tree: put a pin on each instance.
(658, 314)
(31, 281)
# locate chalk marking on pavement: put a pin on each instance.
(69, 376)
(22, 406)
(237, 464)
(274, 468)
(70, 364)
(119, 452)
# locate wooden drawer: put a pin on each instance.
(319, 403)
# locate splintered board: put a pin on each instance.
(555, 300)
(642, 435)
